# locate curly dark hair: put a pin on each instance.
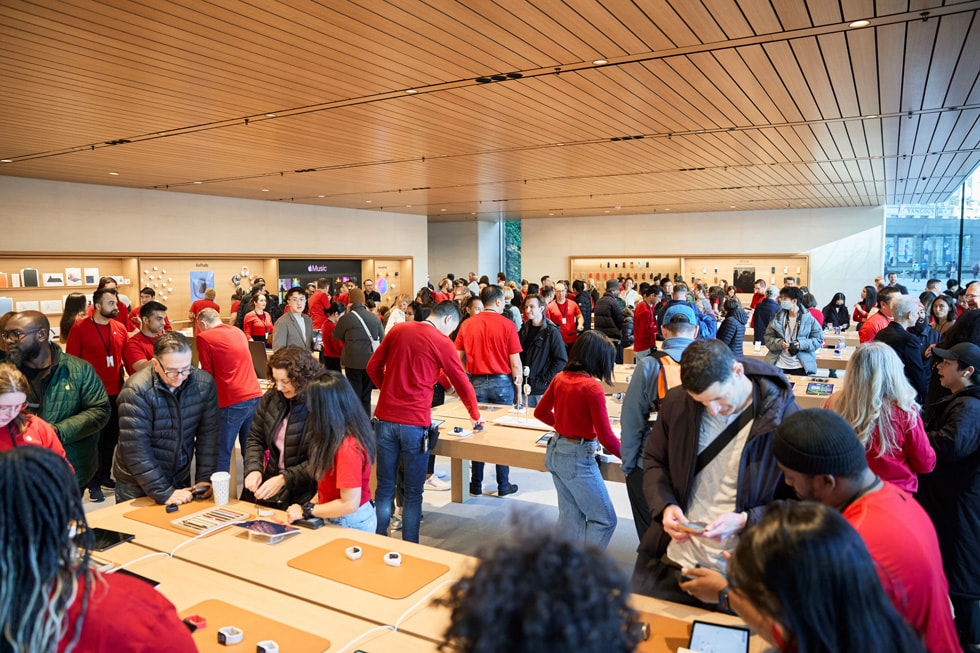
(299, 364)
(541, 593)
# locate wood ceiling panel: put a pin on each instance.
(672, 25)
(838, 62)
(707, 27)
(791, 75)
(950, 42)
(729, 17)
(629, 13)
(864, 64)
(921, 38)
(792, 14)
(811, 62)
(964, 77)
(824, 13)
(764, 96)
(761, 17)
(890, 40)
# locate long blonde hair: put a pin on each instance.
(875, 384)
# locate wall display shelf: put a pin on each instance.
(57, 276)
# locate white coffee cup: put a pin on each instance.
(758, 347)
(219, 485)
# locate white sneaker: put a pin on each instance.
(440, 473)
(436, 483)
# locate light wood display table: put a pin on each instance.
(851, 338)
(689, 614)
(266, 565)
(825, 357)
(186, 584)
(499, 445)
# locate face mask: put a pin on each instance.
(786, 304)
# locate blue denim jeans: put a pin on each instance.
(585, 512)
(492, 390)
(236, 420)
(400, 442)
(364, 518)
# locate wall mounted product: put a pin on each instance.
(29, 277)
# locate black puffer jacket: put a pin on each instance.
(609, 316)
(672, 447)
(951, 492)
(270, 411)
(160, 432)
(545, 355)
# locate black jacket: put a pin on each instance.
(761, 317)
(584, 301)
(269, 412)
(609, 316)
(836, 316)
(908, 346)
(160, 432)
(672, 447)
(732, 331)
(545, 355)
(951, 492)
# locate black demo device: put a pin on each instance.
(106, 539)
(172, 507)
(819, 389)
(706, 636)
(793, 348)
(640, 630)
(153, 583)
(312, 523)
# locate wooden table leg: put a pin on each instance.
(459, 471)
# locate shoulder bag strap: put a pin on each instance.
(722, 441)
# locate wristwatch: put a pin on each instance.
(308, 510)
(723, 598)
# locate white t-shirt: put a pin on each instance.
(395, 316)
(790, 333)
(712, 495)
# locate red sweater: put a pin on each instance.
(36, 432)
(914, 455)
(318, 303)
(644, 328)
(96, 343)
(127, 615)
(756, 298)
(412, 358)
(575, 405)
(902, 541)
(223, 353)
(331, 346)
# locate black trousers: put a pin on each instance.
(661, 580)
(638, 502)
(361, 382)
(330, 363)
(967, 621)
(108, 439)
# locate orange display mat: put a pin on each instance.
(667, 634)
(157, 515)
(254, 627)
(369, 572)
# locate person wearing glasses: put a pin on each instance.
(63, 390)
(18, 428)
(168, 417)
(294, 328)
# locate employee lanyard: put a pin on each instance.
(860, 493)
(786, 337)
(109, 359)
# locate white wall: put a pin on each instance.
(50, 216)
(845, 245)
(462, 247)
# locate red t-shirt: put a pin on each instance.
(351, 469)
(36, 432)
(488, 339)
(126, 615)
(902, 542)
(138, 348)
(137, 322)
(564, 316)
(575, 404)
(444, 296)
(257, 325)
(199, 305)
(318, 303)
(874, 324)
(96, 343)
(331, 346)
(644, 328)
(223, 353)
(412, 358)
(122, 315)
(234, 306)
(342, 298)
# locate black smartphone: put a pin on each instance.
(106, 539)
(312, 523)
(153, 583)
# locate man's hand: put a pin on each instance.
(672, 515)
(253, 481)
(207, 494)
(180, 496)
(725, 526)
(271, 487)
(706, 584)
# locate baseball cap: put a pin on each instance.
(965, 352)
(679, 309)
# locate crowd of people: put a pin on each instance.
(848, 527)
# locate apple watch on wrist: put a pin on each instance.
(723, 598)
(308, 510)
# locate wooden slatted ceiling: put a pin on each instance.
(792, 91)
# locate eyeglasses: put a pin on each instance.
(13, 409)
(175, 374)
(297, 299)
(17, 336)
(972, 296)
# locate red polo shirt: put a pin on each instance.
(102, 346)
(564, 316)
(318, 303)
(223, 353)
(138, 348)
(644, 328)
(412, 358)
(488, 339)
(122, 316)
(872, 326)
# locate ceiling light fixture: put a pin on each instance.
(114, 174)
(368, 201)
(270, 115)
(859, 23)
(411, 90)
(599, 62)
(320, 195)
(198, 182)
(6, 160)
(869, 117)
(442, 209)
(265, 190)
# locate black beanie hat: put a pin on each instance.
(818, 441)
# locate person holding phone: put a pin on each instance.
(53, 600)
(575, 405)
(342, 450)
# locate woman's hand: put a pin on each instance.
(253, 481)
(294, 512)
(271, 487)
